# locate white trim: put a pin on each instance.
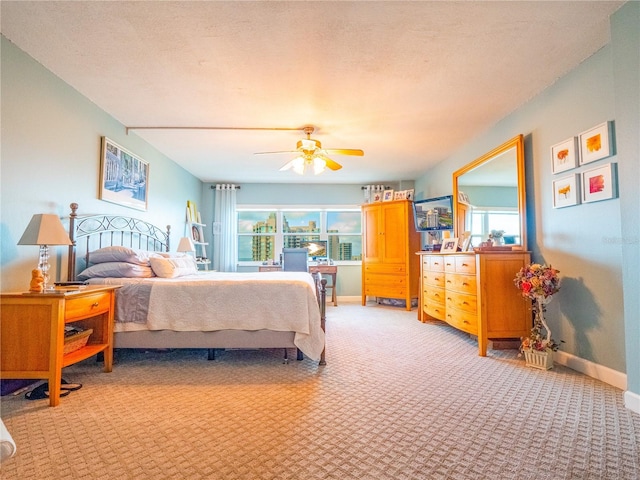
(632, 401)
(591, 369)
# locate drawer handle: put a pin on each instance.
(465, 264)
(465, 303)
(465, 284)
(95, 304)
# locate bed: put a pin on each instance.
(164, 302)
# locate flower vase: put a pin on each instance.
(542, 360)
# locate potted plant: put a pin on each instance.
(496, 237)
(538, 283)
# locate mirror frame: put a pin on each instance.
(518, 143)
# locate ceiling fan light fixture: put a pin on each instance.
(298, 165)
(319, 165)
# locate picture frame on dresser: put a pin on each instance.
(449, 245)
(124, 177)
(387, 196)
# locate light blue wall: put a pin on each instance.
(51, 158)
(584, 241)
(625, 39)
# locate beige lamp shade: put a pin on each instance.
(186, 245)
(45, 229)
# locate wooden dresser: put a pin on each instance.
(389, 267)
(474, 292)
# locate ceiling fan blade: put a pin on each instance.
(287, 166)
(330, 163)
(283, 151)
(344, 151)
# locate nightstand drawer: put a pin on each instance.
(87, 306)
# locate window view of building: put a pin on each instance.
(263, 233)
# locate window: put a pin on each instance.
(485, 220)
(262, 233)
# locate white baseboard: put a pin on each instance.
(594, 370)
(632, 401)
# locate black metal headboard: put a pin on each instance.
(96, 231)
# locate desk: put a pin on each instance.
(332, 271)
(269, 268)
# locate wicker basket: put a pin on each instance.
(77, 341)
(537, 359)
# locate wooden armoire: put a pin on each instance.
(390, 266)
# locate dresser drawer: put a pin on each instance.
(465, 264)
(436, 264)
(468, 303)
(87, 306)
(449, 262)
(433, 295)
(465, 321)
(434, 278)
(461, 283)
(434, 310)
(391, 291)
(385, 269)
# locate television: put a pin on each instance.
(317, 248)
(433, 214)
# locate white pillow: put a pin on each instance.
(174, 267)
(117, 270)
(119, 254)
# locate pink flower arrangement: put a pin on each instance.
(537, 281)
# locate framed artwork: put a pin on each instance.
(596, 143)
(387, 195)
(400, 195)
(377, 197)
(599, 183)
(565, 191)
(449, 245)
(465, 241)
(124, 177)
(564, 155)
(410, 193)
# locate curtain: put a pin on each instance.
(224, 228)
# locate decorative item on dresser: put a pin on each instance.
(473, 292)
(389, 266)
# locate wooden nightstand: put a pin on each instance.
(332, 271)
(32, 332)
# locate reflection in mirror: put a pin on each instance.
(489, 196)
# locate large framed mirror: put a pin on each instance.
(489, 195)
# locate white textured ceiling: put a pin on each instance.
(407, 82)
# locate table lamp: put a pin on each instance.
(185, 245)
(45, 229)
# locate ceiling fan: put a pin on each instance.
(312, 157)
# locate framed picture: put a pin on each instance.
(124, 177)
(596, 143)
(449, 245)
(387, 195)
(565, 191)
(465, 241)
(400, 195)
(377, 197)
(599, 183)
(564, 155)
(410, 193)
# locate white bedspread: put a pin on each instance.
(281, 301)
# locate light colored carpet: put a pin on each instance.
(398, 400)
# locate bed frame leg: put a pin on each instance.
(299, 355)
(211, 354)
(286, 356)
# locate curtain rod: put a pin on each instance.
(237, 187)
(386, 187)
(141, 127)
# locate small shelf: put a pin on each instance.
(83, 353)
